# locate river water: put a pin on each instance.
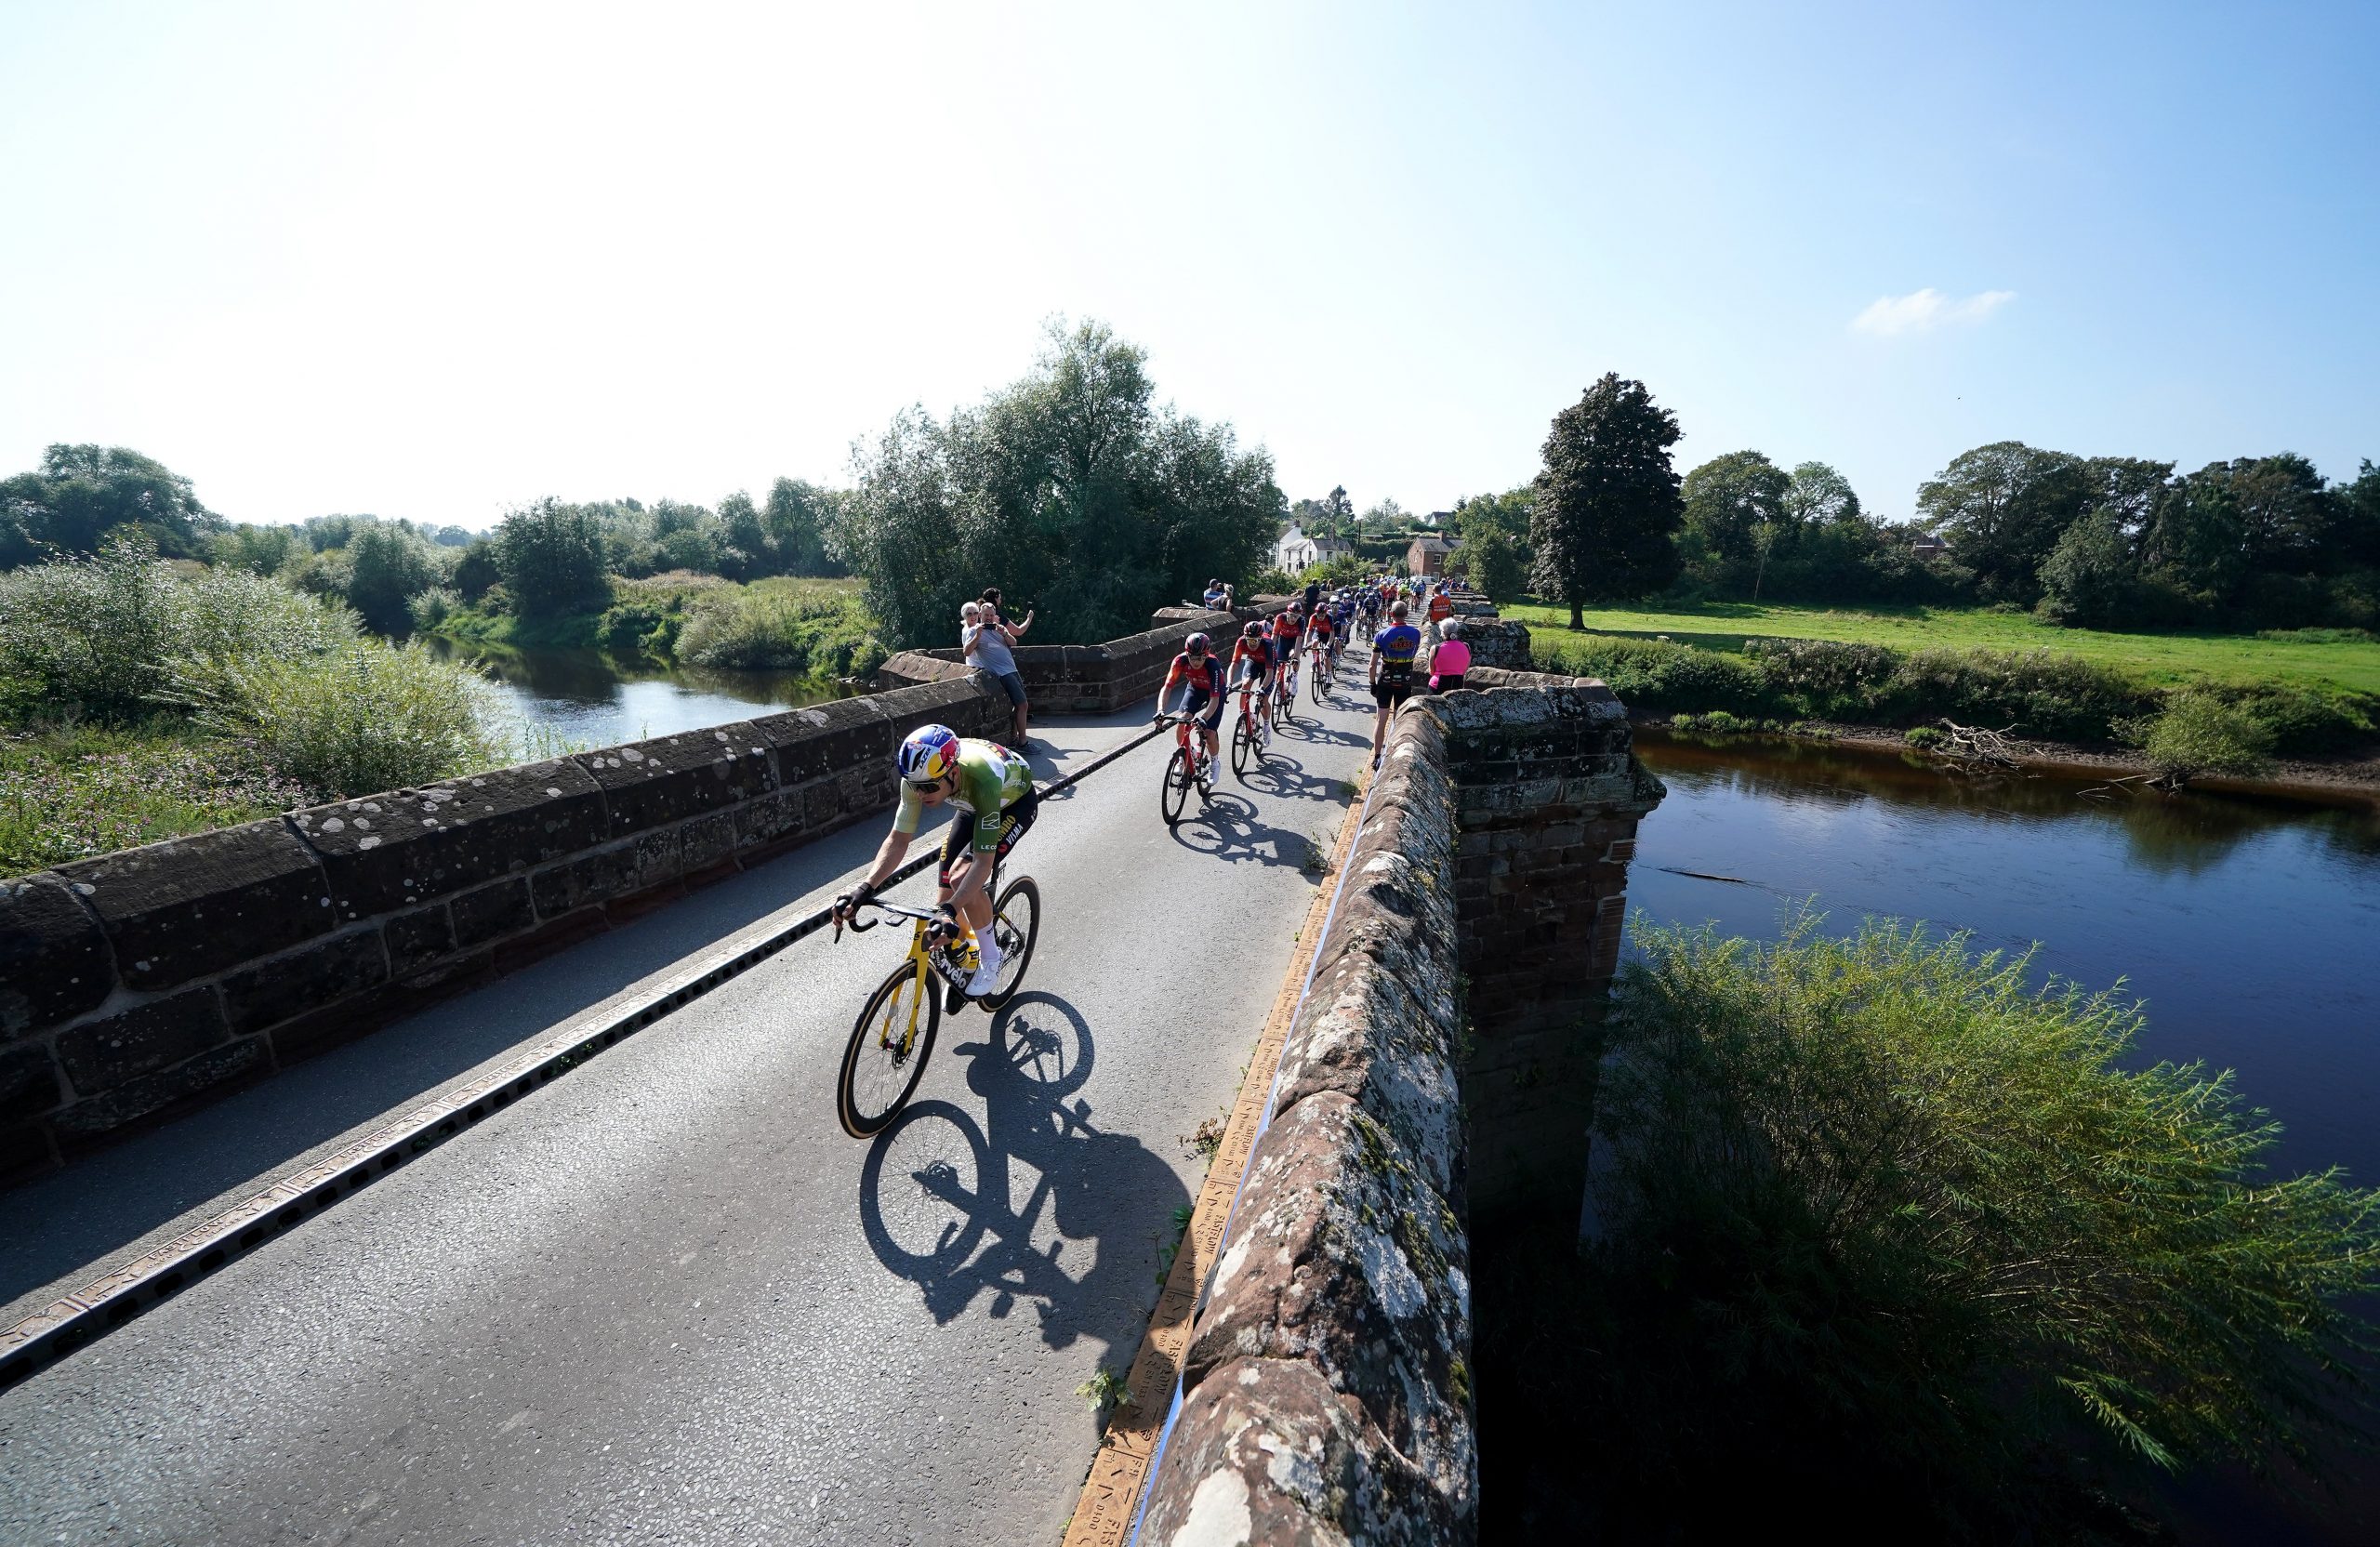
(2251, 927)
(587, 697)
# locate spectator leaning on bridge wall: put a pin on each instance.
(984, 636)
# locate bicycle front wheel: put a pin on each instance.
(1317, 681)
(1016, 924)
(888, 1052)
(1176, 792)
(1243, 745)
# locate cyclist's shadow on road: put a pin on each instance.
(1037, 1204)
(1226, 827)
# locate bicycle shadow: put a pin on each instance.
(940, 1196)
(1283, 777)
(1228, 831)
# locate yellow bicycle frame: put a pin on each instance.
(928, 982)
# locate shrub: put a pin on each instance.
(368, 718)
(1653, 674)
(1925, 738)
(2198, 734)
(2038, 692)
(1881, 1204)
(757, 630)
(2319, 636)
(641, 627)
(2303, 719)
(98, 636)
(434, 606)
(1826, 677)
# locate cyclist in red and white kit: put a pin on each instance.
(1200, 670)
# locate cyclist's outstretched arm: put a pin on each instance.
(889, 855)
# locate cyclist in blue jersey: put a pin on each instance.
(1393, 649)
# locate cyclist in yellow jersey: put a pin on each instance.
(993, 787)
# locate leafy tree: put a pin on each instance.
(1496, 565)
(1818, 496)
(2092, 577)
(744, 550)
(258, 550)
(1735, 506)
(1606, 510)
(1477, 515)
(83, 493)
(551, 557)
(1070, 489)
(481, 566)
(796, 518)
(389, 564)
(2002, 508)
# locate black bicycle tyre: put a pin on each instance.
(863, 1126)
(1021, 887)
(1319, 682)
(1174, 793)
(1243, 745)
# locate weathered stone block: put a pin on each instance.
(1343, 1255)
(826, 738)
(394, 851)
(708, 840)
(28, 1083)
(656, 783)
(1265, 1451)
(322, 975)
(235, 1062)
(190, 906)
(621, 870)
(419, 938)
(769, 820)
(54, 957)
(492, 912)
(99, 1055)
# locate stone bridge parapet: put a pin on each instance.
(1327, 1392)
(137, 983)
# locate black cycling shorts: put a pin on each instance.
(1388, 693)
(1207, 708)
(1015, 817)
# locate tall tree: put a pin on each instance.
(1734, 508)
(1607, 511)
(552, 558)
(2002, 508)
(796, 517)
(1820, 496)
(81, 494)
(1070, 489)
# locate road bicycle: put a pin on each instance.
(1181, 770)
(893, 1036)
(1320, 681)
(1287, 692)
(1250, 737)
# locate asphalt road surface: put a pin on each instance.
(666, 1300)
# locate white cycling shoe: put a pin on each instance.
(987, 972)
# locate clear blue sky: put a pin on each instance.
(432, 262)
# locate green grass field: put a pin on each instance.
(2162, 658)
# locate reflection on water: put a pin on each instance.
(584, 696)
(2248, 925)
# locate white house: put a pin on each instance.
(1295, 552)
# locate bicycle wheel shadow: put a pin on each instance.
(1283, 776)
(1036, 1204)
(1228, 829)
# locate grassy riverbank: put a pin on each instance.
(2188, 724)
(2316, 658)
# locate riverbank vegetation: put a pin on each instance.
(142, 698)
(1882, 1234)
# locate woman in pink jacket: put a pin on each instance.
(1449, 660)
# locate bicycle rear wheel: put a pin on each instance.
(1175, 791)
(1016, 924)
(888, 1050)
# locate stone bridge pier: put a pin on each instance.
(1548, 795)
